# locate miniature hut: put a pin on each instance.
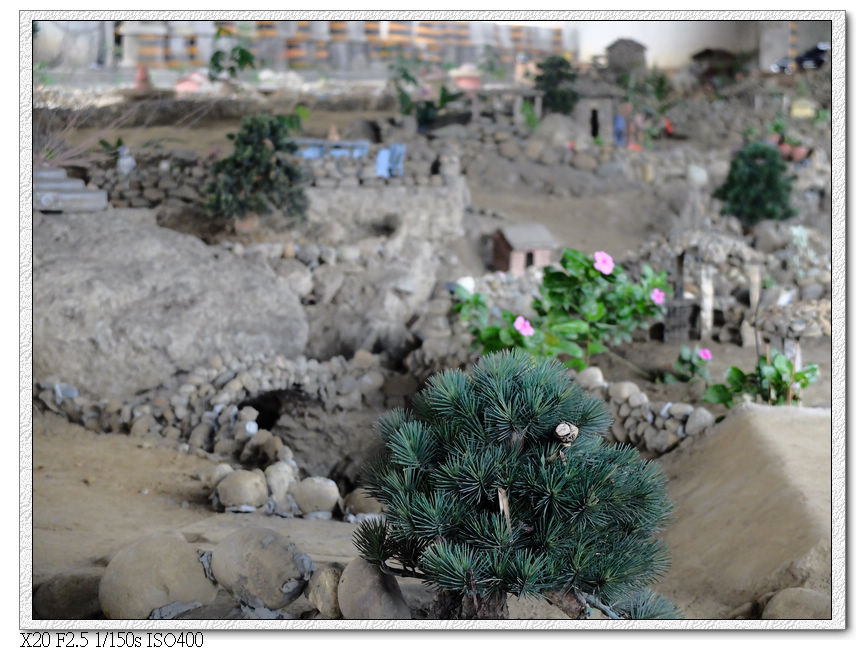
(596, 107)
(626, 56)
(517, 247)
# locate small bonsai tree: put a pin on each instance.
(261, 173)
(555, 72)
(499, 482)
(757, 186)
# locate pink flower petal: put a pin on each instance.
(603, 262)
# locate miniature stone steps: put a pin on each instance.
(53, 191)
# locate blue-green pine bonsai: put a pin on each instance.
(499, 482)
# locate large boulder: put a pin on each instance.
(153, 573)
(261, 567)
(121, 304)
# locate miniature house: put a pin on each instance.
(517, 247)
(596, 107)
(626, 56)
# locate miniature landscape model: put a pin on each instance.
(430, 320)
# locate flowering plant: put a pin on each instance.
(581, 307)
(689, 365)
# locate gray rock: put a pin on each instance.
(323, 590)
(315, 494)
(619, 432)
(69, 596)
(371, 382)
(637, 400)
(680, 410)
(365, 593)
(660, 441)
(358, 501)
(279, 477)
(590, 377)
(124, 303)
(212, 476)
(798, 603)
(152, 573)
(622, 391)
(243, 488)
(697, 176)
(698, 421)
(260, 567)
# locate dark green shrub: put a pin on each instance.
(757, 186)
(499, 482)
(556, 71)
(261, 174)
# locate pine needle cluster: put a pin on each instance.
(499, 482)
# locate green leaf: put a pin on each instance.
(302, 112)
(784, 367)
(718, 394)
(685, 353)
(570, 348)
(735, 378)
(592, 310)
(594, 347)
(571, 328)
(808, 374)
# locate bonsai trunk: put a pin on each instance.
(452, 605)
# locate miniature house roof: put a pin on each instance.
(589, 87)
(529, 236)
(625, 43)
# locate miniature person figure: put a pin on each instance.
(620, 124)
(142, 79)
(333, 134)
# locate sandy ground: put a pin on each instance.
(94, 493)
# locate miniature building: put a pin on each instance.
(517, 247)
(596, 107)
(626, 56)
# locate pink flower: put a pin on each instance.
(705, 354)
(603, 262)
(657, 296)
(523, 326)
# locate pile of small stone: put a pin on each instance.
(198, 410)
(786, 272)
(173, 178)
(656, 427)
(278, 489)
(808, 319)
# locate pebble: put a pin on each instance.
(699, 421)
(243, 487)
(211, 476)
(621, 391)
(365, 593)
(323, 590)
(260, 567)
(315, 494)
(358, 501)
(279, 477)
